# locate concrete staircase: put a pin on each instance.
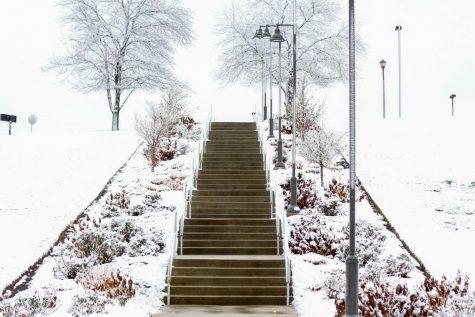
(230, 245)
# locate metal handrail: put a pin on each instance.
(179, 223)
(281, 218)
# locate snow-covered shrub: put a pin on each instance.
(335, 283)
(306, 196)
(88, 304)
(29, 305)
(136, 210)
(67, 264)
(171, 183)
(118, 200)
(96, 245)
(147, 243)
(152, 200)
(387, 300)
(112, 284)
(370, 242)
(401, 265)
(458, 306)
(330, 207)
(311, 234)
(341, 191)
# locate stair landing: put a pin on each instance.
(226, 311)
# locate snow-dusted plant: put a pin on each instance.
(322, 147)
(112, 284)
(458, 306)
(89, 303)
(311, 234)
(68, 265)
(38, 303)
(309, 112)
(400, 265)
(159, 124)
(370, 242)
(335, 283)
(306, 195)
(96, 245)
(121, 47)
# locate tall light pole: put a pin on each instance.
(278, 38)
(399, 29)
(293, 208)
(271, 118)
(351, 302)
(453, 97)
(259, 34)
(382, 63)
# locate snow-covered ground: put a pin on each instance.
(421, 172)
(46, 181)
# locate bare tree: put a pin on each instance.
(322, 147)
(309, 112)
(160, 121)
(322, 41)
(121, 46)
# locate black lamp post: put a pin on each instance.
(382, 63)
(271, 116)
(398, 28)
(453, 97)
(351, 302)
(259, 34)
(278, 38)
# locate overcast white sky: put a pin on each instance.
(438, 59)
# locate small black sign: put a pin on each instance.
(7, 117)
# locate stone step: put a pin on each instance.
(216, 158)
(232, 250)
(227, 300)
(244, 165)
(228, 280)
(230, 235)
(237, 179)
(230, 228)
(242, 192)
(227, 311)
(205, 243)
(229, 222)
(229, 261)
(231, 290)
(242, 216)
(233, 137)
(231, 173)
(230, 211)
(231, 199)
(217, 186)
(229, 204)
(227, 271)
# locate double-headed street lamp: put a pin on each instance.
(453, 97)
(398, 29)
(259, 35)
(277, 37)
(382, 63)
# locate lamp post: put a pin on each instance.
(351, 302)
(399, 29)
(382, 63)
(293, 208)
(271, 117)
(278, 38)
(259, 34)
(453, 97)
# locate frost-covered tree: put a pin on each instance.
(309, 111)
(322, 41)
(160, 121)
(121, 46)
(322, 147)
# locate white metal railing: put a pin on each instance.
(280, 217)
(188, 187)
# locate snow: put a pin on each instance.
(421, 174)
(46, 181)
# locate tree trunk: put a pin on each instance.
(321, 174)
(115, 120)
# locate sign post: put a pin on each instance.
(10, 119)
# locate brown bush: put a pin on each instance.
(113, 284)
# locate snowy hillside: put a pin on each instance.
(422, 176)
(47, 180)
